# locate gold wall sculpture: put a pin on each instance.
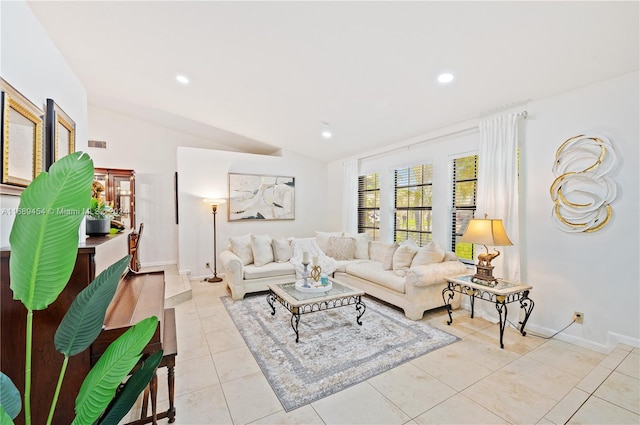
(583, 190)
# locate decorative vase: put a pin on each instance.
(98, 226)
(315, 273)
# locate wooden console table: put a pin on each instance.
(503, 293)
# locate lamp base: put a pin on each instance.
(214, 279)
(484, 275)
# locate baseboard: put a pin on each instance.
(158, 264)
(613, 339)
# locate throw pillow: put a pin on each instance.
(378, 250)
(404, 254)
(387, 263)
(322, 239)
(450, 256)
(282, 251)
(341, 248)
(362, 245)
(428, 254)
(241, 246)
(262, 251)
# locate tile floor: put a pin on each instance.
(473, 381)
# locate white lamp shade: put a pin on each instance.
(217, 201)
(486, 231)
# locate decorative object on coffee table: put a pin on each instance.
(485, 232)
(214, 209)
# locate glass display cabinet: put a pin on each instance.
(119, 191)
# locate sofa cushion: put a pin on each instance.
(261, 249)
(341, 248)
(270, 270)
(372, 271)
(241, 246)
(428, 254)
(322, 239)
(362, 245)
(404, 255)
(282, 250)
(378, 250)
(387, 262)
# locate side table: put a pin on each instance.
(503, 293)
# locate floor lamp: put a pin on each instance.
(214, 209)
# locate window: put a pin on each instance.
(369, 205)
(465, 183)
(413, 202)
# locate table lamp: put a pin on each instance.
(486, 231)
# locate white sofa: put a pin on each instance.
(406, 276)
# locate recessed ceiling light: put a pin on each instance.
(182, 79)
(445, 78)
(326, 131)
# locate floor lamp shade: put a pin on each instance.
(214, 209)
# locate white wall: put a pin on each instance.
(596, 273)
(32, 65)
(202, 173)
(150, 150)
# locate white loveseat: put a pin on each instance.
(406, 276)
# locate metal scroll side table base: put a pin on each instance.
(500, 296)
(315, 305)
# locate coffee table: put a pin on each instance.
(299, 303)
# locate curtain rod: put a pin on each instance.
(523, 114)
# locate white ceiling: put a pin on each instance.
(273, 71)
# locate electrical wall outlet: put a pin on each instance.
(578, 317)
(207, 265)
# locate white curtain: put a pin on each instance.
(350, 196)
(498, 187)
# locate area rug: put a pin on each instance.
(334, 352)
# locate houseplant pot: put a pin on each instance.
(98, 226)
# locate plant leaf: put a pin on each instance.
(10, 400)
(5, 419)
(114, 365)
(44, 236)
(83, 321)
(126, 398)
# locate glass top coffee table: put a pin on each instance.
(299, 303)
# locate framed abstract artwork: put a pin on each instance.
(261, 197)
(21, 137)
(60, 132)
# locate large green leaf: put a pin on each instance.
(44, 236)
(114, 365)
(125, 399)
(5, 419)
(9, 397)
(83, 321)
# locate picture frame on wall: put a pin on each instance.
(261, 197)
(22, 127)
(60, 132)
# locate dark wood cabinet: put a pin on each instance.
(94, 255)
(119, 191)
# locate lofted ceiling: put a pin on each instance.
(271, 72)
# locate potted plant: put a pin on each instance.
(43, 253)
(99, 214)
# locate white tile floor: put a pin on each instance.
(471, 381)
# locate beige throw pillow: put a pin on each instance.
(262, 251)
(341, 248)
(282, 251)
(362, 245)
(241, 246)
(322, 239)
(404, 254)
(428, 254)
(387, 263)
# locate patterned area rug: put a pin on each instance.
(334, 352)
